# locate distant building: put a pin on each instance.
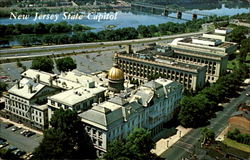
(219, 34)
(206, 44)
(241, 118)
(149, 62)
(215, 61)
(149, 106)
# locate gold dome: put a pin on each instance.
(115, 73)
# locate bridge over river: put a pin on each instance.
(165, 10)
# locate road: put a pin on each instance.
(189, 142)
(48, 50)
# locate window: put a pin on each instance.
(52, 103)
(40, 114)
(100, 143)
(66, 107)
(94, 131)
(94, 141)
(100, 134)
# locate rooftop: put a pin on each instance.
(245, 114)
(223, 45)
(69, 80)
(121, 107)
(151, 56)
(76, 95)
(26, 88)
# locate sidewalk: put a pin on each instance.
(163, 144)
(20, 125)
(222, 134)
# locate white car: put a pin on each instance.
(248, 94)
(24, 131)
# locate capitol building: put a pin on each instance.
(108, 105)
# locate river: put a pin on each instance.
(133, 18)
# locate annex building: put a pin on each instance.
(38, 94)
(150, 62)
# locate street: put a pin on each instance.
(48, 50)
(190, 143)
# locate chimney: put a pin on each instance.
(30, 88)
(50, 81)
(38, 78)
(128, 49)
(18, 85)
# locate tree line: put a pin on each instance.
(80, 36)
(41, 28)
(46, 64)
(196, 110)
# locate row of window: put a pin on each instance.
(19, 99)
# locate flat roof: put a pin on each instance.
(160, 60)
(76, 95)
(221, 45)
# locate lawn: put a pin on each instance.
(234, 144)
(231, 64)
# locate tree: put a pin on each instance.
(3, 87)
(136, 146)
(66, 139)
(65, 64)
(143, 31)
(153, 29)
(244, 48)
(43, 63)
(207, 135)
(238, 34)
(195, 111)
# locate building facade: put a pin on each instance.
(33, 100)
(149, 106)
(140, 67)
(26, 103)
(216, 62)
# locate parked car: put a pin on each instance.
(23, 132)
(16, 128)
(30, 133)
(27, 156)
(2, 139)
(19, 153)
(12, 148)
(248, 94)
(3, 144)
(8, 125)
(3, 77)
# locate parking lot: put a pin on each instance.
(18, 138)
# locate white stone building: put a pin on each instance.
(26, 103)
(149, 106)
(33, 100)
